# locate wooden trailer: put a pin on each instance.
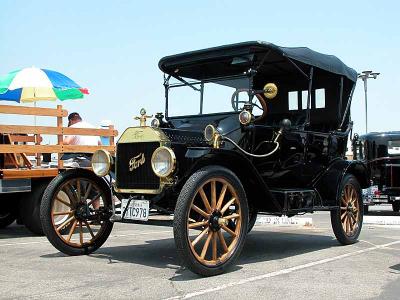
(23, 174)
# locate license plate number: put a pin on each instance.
(137, 209)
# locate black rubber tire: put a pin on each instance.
(366, 209)
(45, 212)
(337, 227)
(29, 207)
(396, 206)
(181, 212)
(8, 212)
(252, 219)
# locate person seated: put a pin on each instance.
(75, 121)
(79, 159)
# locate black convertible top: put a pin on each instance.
(330, 63)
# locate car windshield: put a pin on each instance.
(188, 97)
(394, 147)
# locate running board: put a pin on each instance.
(295, 200)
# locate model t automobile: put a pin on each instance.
(380, 151)
(248, 128)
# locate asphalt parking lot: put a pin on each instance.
(138, 261)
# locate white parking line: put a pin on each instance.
(280, 272)
(111, 236)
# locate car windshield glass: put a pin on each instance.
(204, 97)
(394, 147)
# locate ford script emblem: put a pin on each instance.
(136, 161)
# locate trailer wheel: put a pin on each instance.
(29, 207)
(347, 219)
(8, 212)
(209, 200)
(75, 212)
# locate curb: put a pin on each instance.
(382, 220)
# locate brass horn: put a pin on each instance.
(270, 90)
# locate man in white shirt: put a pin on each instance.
(75, 121)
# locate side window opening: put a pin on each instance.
(293, 100)
(320, 98)
(304, 96)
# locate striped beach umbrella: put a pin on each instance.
(34, 84)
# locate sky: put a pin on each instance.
(113, 47)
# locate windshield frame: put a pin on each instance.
(194, 83)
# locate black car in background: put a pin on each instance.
(380, 151)
(248, 128)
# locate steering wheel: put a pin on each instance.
(235, 102)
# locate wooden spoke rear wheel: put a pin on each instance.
(211, 220)
(347, 220)
(75, 212)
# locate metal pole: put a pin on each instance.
(201, 97)
(365, 75)
(366, 105)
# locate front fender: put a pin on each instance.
(257, 191)
(328, 183)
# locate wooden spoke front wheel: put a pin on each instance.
(211, 216)
(75, 210)
(215, 211)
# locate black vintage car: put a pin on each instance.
(380, 151)
(266, 133)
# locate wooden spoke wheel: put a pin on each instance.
(347, 220)
(349, 210)
(211, 220)
(75, 212)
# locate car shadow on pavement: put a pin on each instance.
(260, 246)
(395, 267)
(15, 231)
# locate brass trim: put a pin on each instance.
(142, 135)
(214, 131)
(108, 155)
(143, 117)
(145, 134)
(270, 90)
(243, 112)
(173, 157)
(217, 141)
(163, 183)
(136, 161)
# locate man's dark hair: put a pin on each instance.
(74, 116)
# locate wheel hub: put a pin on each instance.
(216, 221)
(82, 212)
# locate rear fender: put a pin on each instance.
(328, 183)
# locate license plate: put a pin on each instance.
(137, 209)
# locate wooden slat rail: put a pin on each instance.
(33, 111)
(28, 129)
(32, 173)
(25, 138)
(53, 148)
(32, 134)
